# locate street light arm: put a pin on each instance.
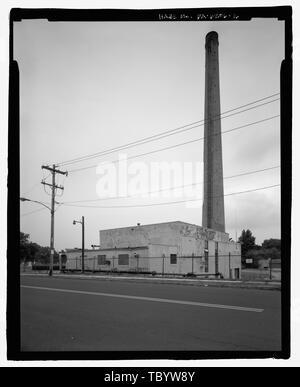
(41, 204)
(35, 201)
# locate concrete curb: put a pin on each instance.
(176, 281)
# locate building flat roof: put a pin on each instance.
(157, 224)
(108, 249)
(151, 224)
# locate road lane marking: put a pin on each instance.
(166, 300)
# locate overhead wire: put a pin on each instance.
(167, 133)
(169, 203)
(173, 146)
(33, 212)
(170, 188)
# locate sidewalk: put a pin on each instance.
(265, 285)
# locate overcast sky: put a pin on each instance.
(88, 87)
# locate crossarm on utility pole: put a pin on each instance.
(53, 186)
(54, 170)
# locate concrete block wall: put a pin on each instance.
(91, 259)
(180, 238)
(156, 257)
(162, 233)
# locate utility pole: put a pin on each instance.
(53, 186)
(82, 247)
(82, 244)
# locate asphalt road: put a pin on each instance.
(59, 314)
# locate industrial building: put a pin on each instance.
(179, 247)
(164, 248)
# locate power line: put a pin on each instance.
(32, 212)
(176, 145)
(36, 201)
(167, 133)
(34, 186)
(168, 203)
(161, 136)
(45, 178)
(45, 190)
(171, 188)
(40, 209)
(31, 189)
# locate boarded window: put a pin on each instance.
(216, 258)
(206, 261)
(173, 259)
(123, 259)
(63, 258)
(101, 259)
(216, 261)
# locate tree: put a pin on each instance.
(33, 251)
(24, 246)
(43, 255)
(258, 254)
(272, 243)
(30, 251)
(247, 241)
(24, 238)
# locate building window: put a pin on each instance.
(63, 258)
(173, 259)
(101, 259)
(216, 258)
(206, 261)
(123, 259)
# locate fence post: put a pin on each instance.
(137, 262)
(193, 263)
(229, 263)
(270, 267)
(163, 265)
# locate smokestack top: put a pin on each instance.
(212, 35)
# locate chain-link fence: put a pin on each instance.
(217, 266)
(226, 266)
(262, 269)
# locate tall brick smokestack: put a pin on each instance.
(213, 200)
